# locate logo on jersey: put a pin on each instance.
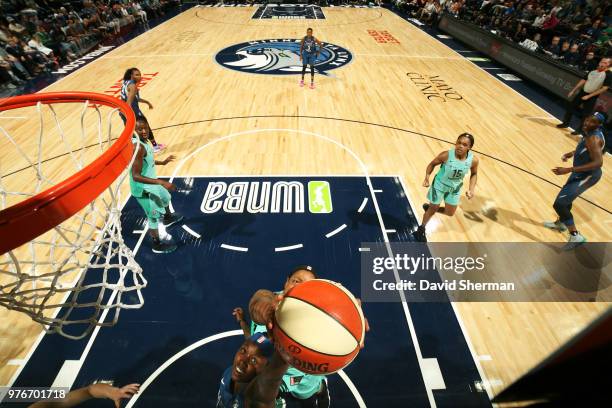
(280, 57)
(267, 197)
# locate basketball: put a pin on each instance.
(319, 327)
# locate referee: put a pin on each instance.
(598, 81)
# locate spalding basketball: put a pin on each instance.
(319, 327)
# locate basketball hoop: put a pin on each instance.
(63, 260)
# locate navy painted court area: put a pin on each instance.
(245, 233)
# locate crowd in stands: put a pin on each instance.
(39, 36)
(574, 32)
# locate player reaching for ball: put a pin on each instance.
(254, 378)
(238, 313)
(298, 389)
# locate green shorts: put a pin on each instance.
(438, 192)
(154, 201)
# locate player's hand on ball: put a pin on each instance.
(559, 171)
(263, 311)
(426, 183)
(238, 313)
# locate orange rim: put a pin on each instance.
(34, 216)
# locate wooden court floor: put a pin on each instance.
(373, 107)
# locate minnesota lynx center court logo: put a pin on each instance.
(279, 57)
(266, 197)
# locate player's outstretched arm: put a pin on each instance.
(238, 313)
(262, 306)
(262, 391)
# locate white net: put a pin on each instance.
(73, 276)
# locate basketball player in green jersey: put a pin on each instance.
(298, 389)
(454, 165)
(152, 193)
